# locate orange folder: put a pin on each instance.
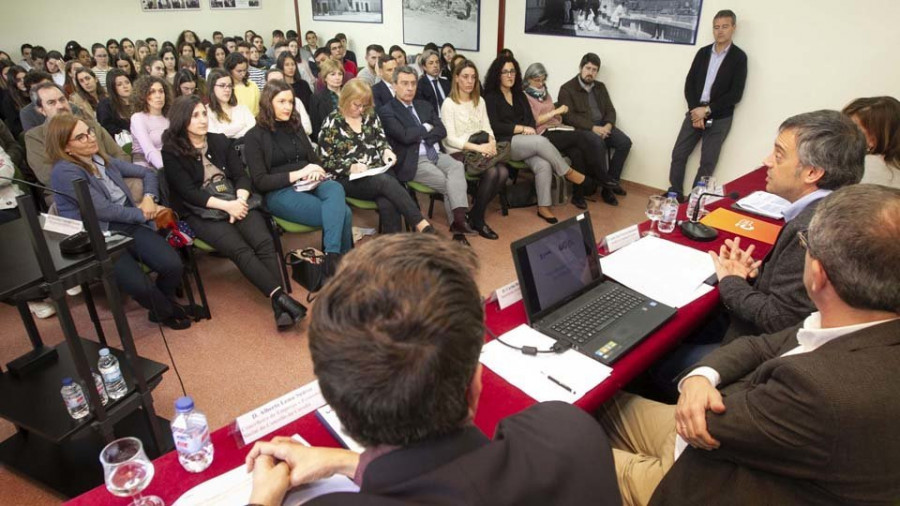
(740, 224)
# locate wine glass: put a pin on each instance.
(710, 187)
(128, 471)
(654, 213)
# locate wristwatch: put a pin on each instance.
(708, 111)
(152, 197)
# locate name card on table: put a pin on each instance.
(507, 295)
(276, 414)
(622, 238)
(60, 225)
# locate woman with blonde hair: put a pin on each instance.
(324, 101)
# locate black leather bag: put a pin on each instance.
(479, 137)
(220, 187)
(307, 268)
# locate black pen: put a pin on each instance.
(560, 383)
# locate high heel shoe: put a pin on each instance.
(551, 219)
(290, 306)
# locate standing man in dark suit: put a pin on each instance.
(383, 90)
(415, 132)
(395, 338)
(713, 86)
(432, 87)
(815, 153)
(807, 415)
(590, 108)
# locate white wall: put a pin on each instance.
(802, 56)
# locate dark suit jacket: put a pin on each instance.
(185, 174)
(258, 146)
(382, 94)
(424, 91)
(816, 428)
(727, 88)
(320, 106)
(575, 97)
(777, 298)
(405, 134)
(550, 454)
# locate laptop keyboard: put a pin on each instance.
(584, 323)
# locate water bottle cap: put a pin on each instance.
(701, 183)
(104, 352)
(67, 381)
(672, 194)
(184, 404)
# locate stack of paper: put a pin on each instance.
(331, 422)
(373, 171)
(661, 270)
(544, 377)
(764, 204)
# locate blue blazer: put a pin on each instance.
(65, 173)
(405, 134)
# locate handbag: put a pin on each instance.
(480, 137)
(476, 163)
(220, 187)
(307, 269)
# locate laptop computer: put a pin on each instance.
(567, 297)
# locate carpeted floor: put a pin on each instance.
(238, 360)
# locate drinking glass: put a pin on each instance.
(654, 213)
(128, 471)
(710, 187)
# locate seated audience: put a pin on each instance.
(352, 141)
(28, 115)
(591, 109)
(151, 100)
(312, 43)
(346, 53)
(465, 115)
(433, 88)
(190, 64)
(114, 110)
(287, 64)
(101, 60)
(256, 71)
(224, 114)
(277, 75)
(141, 51)
(215, 58)
(193, 158)
(383, 90)
(368, 73)
(395, 339)
(415, 132)
(324, 101)
(586, 149)
(38, 58)
(230, 44)
(9, 190)
(152, 44)
(26, 61)
(188, 49)
(124, 63)
(246, 92)
(185, 83)
(399, 54)
(805, 415)
(879, 119)
(153, 66)
(336, 52)
(512, 121)
(15, 99)
(170, 63)
(279, 154)
(84, 57)
(55, 66)
(88, 92)
(126, 47)
(448, 52)
(71, 50)
(72, 148)
(112, 47)
(72, 67)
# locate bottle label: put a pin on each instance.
(191, 441)
(75, 401)
(112, 376)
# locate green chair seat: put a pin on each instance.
(127, 148)
(294, 228)
(202, 245)
(362, 204)
(420, 188)
(517, 164)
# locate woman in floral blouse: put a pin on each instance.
(351, 142)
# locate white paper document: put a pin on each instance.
(305, 185)
(765, 204)
(373, 171)
(661, 270)
(544, 377)
(234, 487)
(331, 422)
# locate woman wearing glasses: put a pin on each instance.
(72, 148)
(226, 116)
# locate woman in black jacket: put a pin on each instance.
(192, 158)
(114, 110)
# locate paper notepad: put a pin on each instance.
(374, 171)
(544, 377)
(764, 204)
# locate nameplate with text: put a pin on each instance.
(507, 295)
(622, 238)
(60, 225)
(277, 413)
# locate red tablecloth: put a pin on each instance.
(499, 399)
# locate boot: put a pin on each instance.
(282, 320)
(290, 306)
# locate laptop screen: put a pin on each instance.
(556, 264)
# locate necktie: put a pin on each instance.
(438, 93)
(430, 152)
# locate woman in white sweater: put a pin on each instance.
(225, 115)
(879, 119)
(464, 114)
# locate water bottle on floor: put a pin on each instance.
(74, 398)
(694, 200)
(190, 431)
(101, 390)
(669, 214)
(112, 375)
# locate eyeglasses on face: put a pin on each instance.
(508, 72)
(225, 86)
(83, 137)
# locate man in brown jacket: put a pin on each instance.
(590, 108)
(807, 415)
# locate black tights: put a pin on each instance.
(488, 188)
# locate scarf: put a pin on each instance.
(537, 94)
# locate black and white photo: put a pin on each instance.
(234, 4)
(440, 21)
(353, 11)
(170, 5)
(669, 21)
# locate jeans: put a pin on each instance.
(392, 199)
(322, 207)
(150, 249)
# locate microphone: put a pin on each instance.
(74, 244)
(697, 231)
(40, 187)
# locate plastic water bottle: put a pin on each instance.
(101, 390)
(112, 375)
(694, 200)
(669, 214)
(190, 431)
(74, 398)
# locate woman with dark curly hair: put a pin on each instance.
(151, 99)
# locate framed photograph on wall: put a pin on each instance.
(169, 5)
(234, 4)
(348, 11)
(667, 21)
(455, 21)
